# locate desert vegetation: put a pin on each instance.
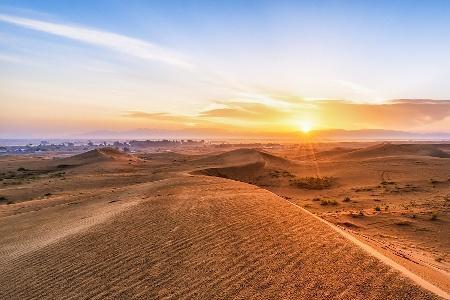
(313, 182)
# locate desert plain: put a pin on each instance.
(355, 220)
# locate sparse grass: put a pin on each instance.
(387, 182)
(313, 183)
(328, 202)
(63, 166)
(57, 175)
(363, 189)
(439, 259)
(358, 215)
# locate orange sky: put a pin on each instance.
(283, 115)
(63, 74)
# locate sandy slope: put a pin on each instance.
(205, 238)
(246, 165)
(383, 150)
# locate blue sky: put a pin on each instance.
(93, 62)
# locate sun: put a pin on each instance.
(305, 125)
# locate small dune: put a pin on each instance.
(244, 156)
(387, 149)
(243, 164)
(327, 154)
(96, 156)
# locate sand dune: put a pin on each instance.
(183, 241)
(383, 150)
(159, 229)
(96, 156)
(244, 156)
(243, 164)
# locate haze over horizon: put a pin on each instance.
(209, 68)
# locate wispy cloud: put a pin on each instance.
(406, 114)
(120, 43)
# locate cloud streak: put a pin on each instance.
(120, 43)
(405, 114)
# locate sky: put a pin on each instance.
(219, 67)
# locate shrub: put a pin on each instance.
(377, 208)
(62, 166)
(347, 199)
(434, 217)
(313, 183)
(328, 202)
(357, 215)
(387, 182)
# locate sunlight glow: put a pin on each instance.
(305, 125)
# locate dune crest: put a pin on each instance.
(387, 149)
(97, 156)
(243, 164)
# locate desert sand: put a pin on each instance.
(296, 222)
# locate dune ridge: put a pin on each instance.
(190, 243)
(96, 156)
(388, 149)
(243, 164)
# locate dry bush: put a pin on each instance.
(313, 183)
(328, 202)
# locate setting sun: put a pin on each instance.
(305, 125)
